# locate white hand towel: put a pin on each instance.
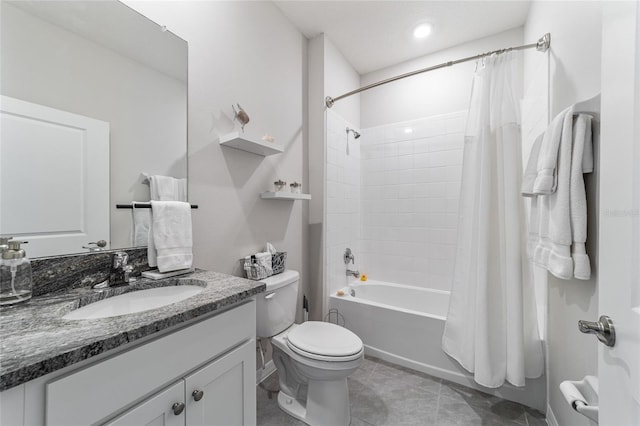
(172, 235)
(581, 162)
(141, 219)
(548, 161)
(167, 188)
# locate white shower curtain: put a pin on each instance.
(491, 327)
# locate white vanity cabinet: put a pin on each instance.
(216, 394)
(140, 384)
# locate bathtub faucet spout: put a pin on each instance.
(354, 273)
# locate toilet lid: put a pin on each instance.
(323, 338)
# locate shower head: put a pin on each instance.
(356, 135)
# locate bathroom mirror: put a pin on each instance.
(101, 61)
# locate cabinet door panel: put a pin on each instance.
(155, 411)
(228, 390)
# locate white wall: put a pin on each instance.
(437, 92)
(55, 67)
(409, 205)
(575, 29)
(247, 53)
(330, 74)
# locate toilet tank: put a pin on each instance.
(276, 307)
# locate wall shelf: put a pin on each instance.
(270, 195)
(242, 142)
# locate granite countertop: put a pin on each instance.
(35, 340)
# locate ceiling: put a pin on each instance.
(376, 34)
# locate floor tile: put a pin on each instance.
(460, 413)
(405, 378)
(470, 396)
(366, 403)
(534, 417)
(358, 422)
(381, 393)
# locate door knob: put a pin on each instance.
(603, 329)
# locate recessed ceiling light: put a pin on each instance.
(422, 31)
(408, 130)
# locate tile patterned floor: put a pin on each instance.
(385, 394)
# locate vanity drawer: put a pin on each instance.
(107, 387)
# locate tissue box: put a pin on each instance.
(278, 261)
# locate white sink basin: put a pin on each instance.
(135, 301)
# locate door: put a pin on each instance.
(619, 221)
(224, 391)
(54, 178)
(163, 409)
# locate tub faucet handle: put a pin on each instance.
(348, 256)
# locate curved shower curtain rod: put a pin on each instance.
(542, 45)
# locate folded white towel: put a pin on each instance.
(554, 248)
(167, 188)
(581, 162)
(152, 253)
(558, 229)
(141, 219)
(172, 235)
(548, 161)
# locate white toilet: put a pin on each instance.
(313, 359)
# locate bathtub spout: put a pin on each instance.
(354, 273)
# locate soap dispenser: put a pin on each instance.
(15, 273)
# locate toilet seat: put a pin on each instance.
(324, 342)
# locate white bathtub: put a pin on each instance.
(404, 324)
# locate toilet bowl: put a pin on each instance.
(313, 359)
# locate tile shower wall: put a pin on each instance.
(342, 200)
(410, 184)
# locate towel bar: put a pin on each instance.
(143, 206)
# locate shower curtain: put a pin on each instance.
(491, 327)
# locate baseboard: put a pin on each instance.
(551, 418)
(263, 373)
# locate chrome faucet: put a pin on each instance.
(120, 269)
(355, 273)
(349, 257)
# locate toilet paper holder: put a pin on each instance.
(582, 395)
